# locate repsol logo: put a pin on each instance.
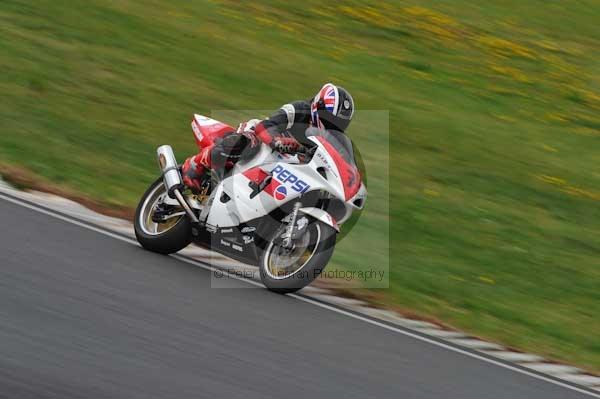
(285, 176)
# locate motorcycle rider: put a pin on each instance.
(331, 108)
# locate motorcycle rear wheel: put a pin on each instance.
(163, 238)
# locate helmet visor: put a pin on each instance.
(332, 122)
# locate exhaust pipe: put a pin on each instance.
(170, 169)
(172, 178)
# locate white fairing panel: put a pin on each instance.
(290, 180)
(358, 201)
(321, 215)
(322, 159)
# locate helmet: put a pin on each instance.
(332, 108)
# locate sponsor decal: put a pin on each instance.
(248, 229)
(280, 193)
(237, 248)
(247, 239)
(283, 181)
(230, 230)
(225, 243)
(197, 131)
(285, 176)
(326, 163)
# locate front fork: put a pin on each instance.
(289, 231)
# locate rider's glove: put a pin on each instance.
(285, 145)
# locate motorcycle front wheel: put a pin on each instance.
(165, 237)
(288, 269)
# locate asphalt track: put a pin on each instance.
(83, 315)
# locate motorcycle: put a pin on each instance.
(280, 212)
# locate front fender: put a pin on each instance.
(322, 216)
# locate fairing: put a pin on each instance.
(207, 130)
(236, 200)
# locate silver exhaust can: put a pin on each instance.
(170, 169)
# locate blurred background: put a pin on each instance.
(493, 149)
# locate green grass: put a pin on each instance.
(494, 122)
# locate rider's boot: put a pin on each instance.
(194, 173)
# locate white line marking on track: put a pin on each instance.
(205, 266)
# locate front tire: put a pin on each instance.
(283, 272)
(163, 238)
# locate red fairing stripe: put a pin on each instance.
(271, 187)
(257, 175)
(348, 172)
(262, 133)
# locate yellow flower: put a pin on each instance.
(548, 148)
(511, 72)
(505, 47)
(552, 180)
(487, 280)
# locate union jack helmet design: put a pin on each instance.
(332, 108)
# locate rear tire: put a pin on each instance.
(171, 240)
(321, 243)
